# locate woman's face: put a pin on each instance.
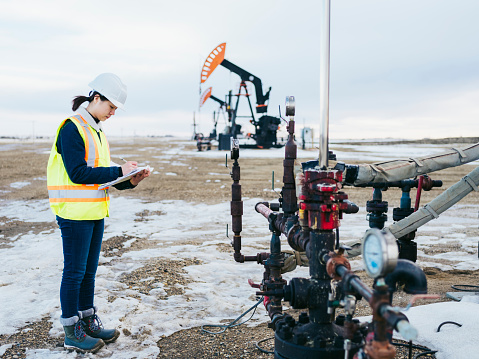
(102, 110)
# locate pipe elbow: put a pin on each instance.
(409, 274)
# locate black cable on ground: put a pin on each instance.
(414, 346)
(425, 353)
(261, 349)
(465, 287)
(233, 323)
(448, 322)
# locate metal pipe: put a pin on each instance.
(324, 84)
(409, 273)
(263, 209)
(353, 281)
(396, 170)
(290, 201)
(237, 212)
(441, 203)
(396, 320)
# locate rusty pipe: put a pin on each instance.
(289, 199)
(398, 321)
(298, 238)
(236, 207)
(263, 209)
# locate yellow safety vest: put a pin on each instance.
(72, 200)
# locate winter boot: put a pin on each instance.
(94, 328)
(76, 339)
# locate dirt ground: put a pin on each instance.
(192, 183)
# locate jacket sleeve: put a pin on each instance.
(124, 185)
(71, 147)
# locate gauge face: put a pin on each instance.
(372, 255)
(380, 252)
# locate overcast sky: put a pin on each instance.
(398, 68)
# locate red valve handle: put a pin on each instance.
(253, 284)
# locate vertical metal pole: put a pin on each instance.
(324, 84)
(233, 119)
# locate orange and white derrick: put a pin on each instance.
(215, 58)
(205, 96)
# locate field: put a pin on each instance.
(166, 266)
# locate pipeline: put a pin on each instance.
(441, 203)
(396, 170)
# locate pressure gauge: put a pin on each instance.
(380, 252)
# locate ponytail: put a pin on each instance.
(78, 100)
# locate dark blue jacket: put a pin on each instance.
(71, 146)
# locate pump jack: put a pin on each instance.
(224, 107)
(266, 126)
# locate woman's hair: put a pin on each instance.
(78, 100)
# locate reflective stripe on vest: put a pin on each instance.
(91, 152)
(83, 193)
(79, 201)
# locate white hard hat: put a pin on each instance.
(110, 86)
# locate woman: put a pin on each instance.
(80, 161)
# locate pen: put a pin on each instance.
(121, 158)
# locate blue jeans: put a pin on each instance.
(81, 251)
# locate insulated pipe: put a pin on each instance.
(397, 170)
(324, 84)
(441, 203)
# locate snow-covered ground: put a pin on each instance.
(343, 152)
(31, 271)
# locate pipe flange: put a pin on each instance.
(334, 261)
(383, 350)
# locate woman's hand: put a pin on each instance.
(128, 167)
(140, 176)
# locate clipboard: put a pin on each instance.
(125, 177)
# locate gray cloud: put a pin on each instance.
(390, 61)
